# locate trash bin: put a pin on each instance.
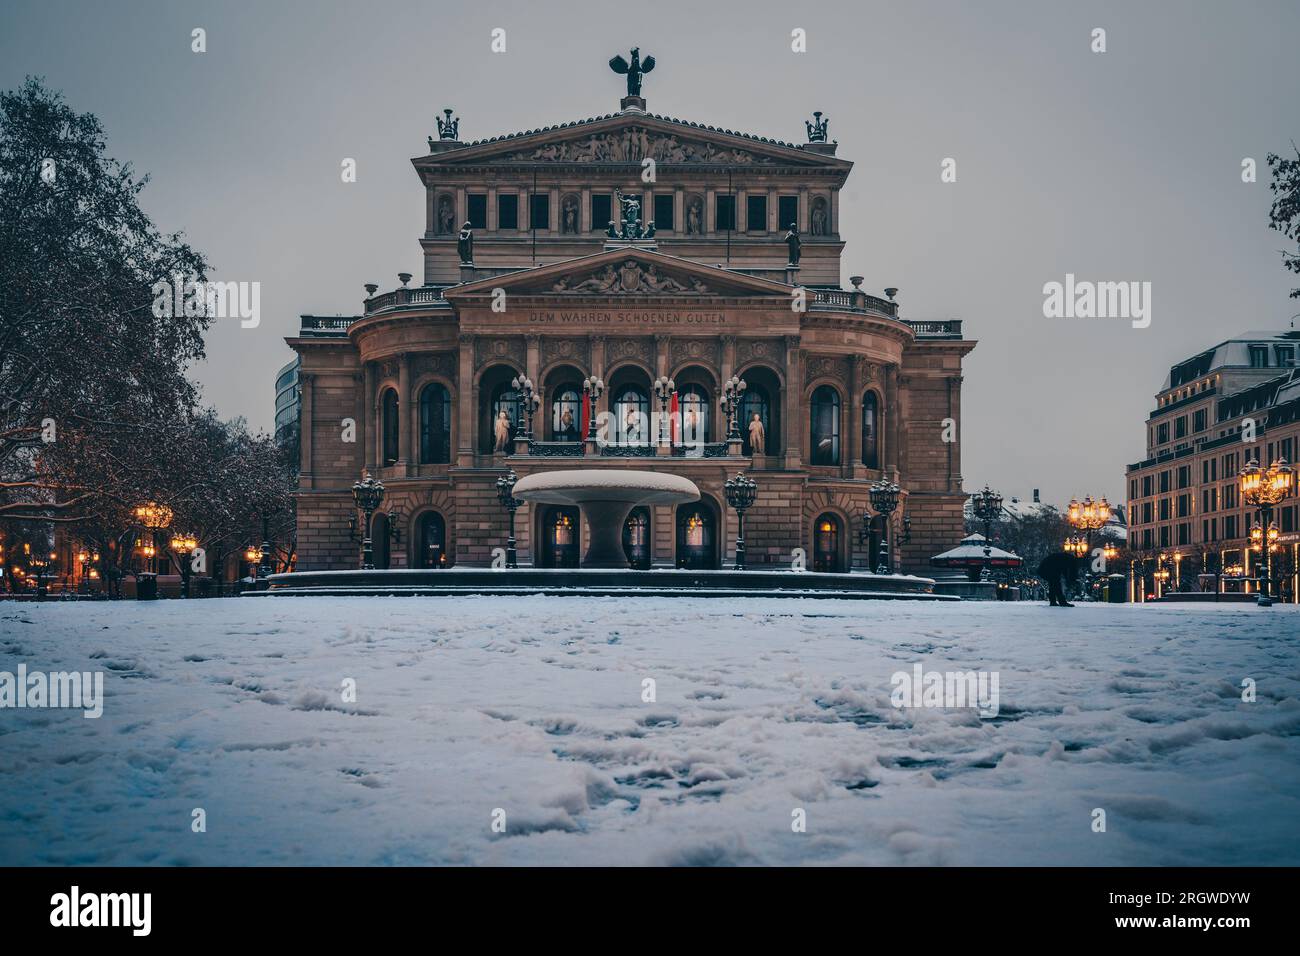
(1116, 588)
(146, 587)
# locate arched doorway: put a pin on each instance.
(761, 398)
(697, 537)
(636, 539)
(559, 538)
(379, 540)
(431, 541)
(826, 543)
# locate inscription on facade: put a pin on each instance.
(616, 318)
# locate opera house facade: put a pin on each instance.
(589, 292)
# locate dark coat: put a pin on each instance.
(1059, 565)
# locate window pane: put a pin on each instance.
(478, 210)
(756, 213)
(539, 211)
(664, 212)
(787, 211)
(600, 212)
(726, 213)
(507, 210)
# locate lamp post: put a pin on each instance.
(506, 495)
(732, 389)
(251, 556)
(665, 388)
(987, 505)
(368, 493)
(39, 563)
(592, 387)
(1264, 489)
(184, 546)
(740, 491)
(1088, 516)
(884, 500)
(528, 397)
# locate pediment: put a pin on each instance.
(630, 138)
(631, 272)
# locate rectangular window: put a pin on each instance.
(1229, 496)
(1147, 486)
(601, 211)
(1288, 520)
(1180, 426)
(1184, 506)
(1259, 356)
(1146, 512)
(756, 213)
(664, 212)
(1198, 421)
(477, 207)
(507, 210)
(787, 211)
(1229, 526)
(726, 212)
(1164, 482)
(1162, 433)
(539, 211)
(1285, 356)
(1184, 475)
(1184, 534)
(1164, 509)
(1164, 536)
(1147, 543)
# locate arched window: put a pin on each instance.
(431, 541)
(636, 538)
(631, 425)
(826, 543)
(870, 430)
(390, 430)
(755, 403)
(435, 424)
(825, 426)
(693, 405)
(566, 414)
(499, 399)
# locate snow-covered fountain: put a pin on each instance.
(606, 498)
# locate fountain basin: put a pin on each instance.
(606, 498)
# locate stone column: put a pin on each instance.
(710, 212)
(306, 382)
(466, 401)
(773, 202)
(679, 211)
(857, 377)
(796, 420)
(584, 213)
(368, 431)
(462, 208)
(404, 456)
(954, 447)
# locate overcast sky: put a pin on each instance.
(1115, 166)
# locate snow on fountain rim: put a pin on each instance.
(598, 482)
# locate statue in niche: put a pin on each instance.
(694, 217)
(757, 436)
(569, 220)
(465, 244)
(794, 243)
(502, 432)
(446, 217)
(819, 218)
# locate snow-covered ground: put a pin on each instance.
(534, 707)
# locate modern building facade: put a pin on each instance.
(631, 249)
(288, 403)
(1217, 411)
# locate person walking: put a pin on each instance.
(1054, 568)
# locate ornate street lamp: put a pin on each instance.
(665, 388)
(884, 500)
(1076, 545)
(1264, 489)
(528, 400)
(1088, 516)
(252, 555)
(987, 505)
(592, 387)
(154, 517)
(506, 495)
(184, 545)
(368, 493)
(732, 389)
(740, 491)
(39, 563)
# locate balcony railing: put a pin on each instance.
(940, 329)
(425, 295)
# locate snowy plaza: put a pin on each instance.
(632, 731)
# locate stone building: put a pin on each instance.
(628, 248)
(1234, 403)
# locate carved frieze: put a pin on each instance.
(555, 349)
(630, 278)
(638, 349)
(826, 366)
(692, 350)
(509, 350)
(442, 364)
(758, 350)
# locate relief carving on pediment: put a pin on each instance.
(630, 278)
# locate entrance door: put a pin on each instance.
(431, 548)
(826, 544)
(560, 538)
(696, 538)
(636, 538)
